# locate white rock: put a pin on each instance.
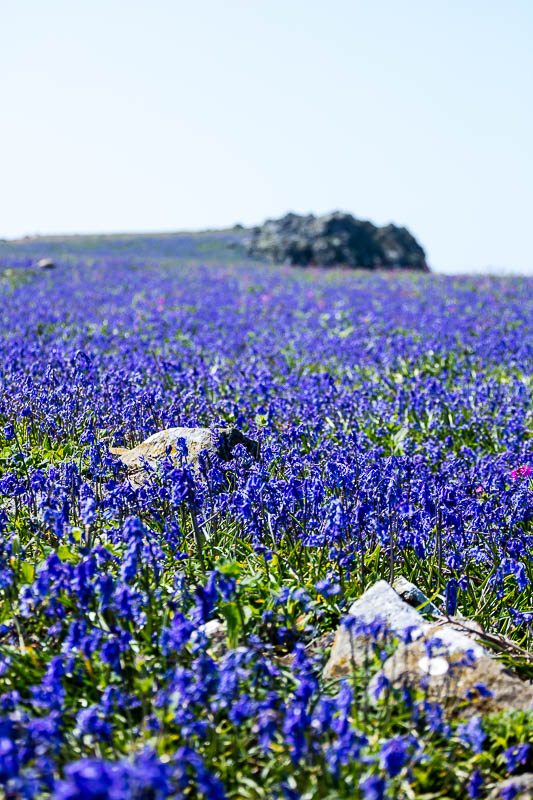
(439, 666)
(215, 631)
(380, 601)
(433, 666)
(212, 628)
(46, 263)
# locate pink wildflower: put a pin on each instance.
(523, 471)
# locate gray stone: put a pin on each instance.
(415, 597)
(381, 602)
(46, 263)
(448, 665)
(221, 443)
(215, 631)
(522, 784)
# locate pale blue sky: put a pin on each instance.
(168, 115)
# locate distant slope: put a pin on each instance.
(206, 245)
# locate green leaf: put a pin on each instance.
(398, 438)
(230, 612)
(231, 568)
(27, 571)
(65, 554)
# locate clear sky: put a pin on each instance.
(157, 115)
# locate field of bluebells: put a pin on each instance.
(395, 418)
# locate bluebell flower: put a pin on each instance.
(9, 432)
(91, 779)
(327, 589)
(516, 756)
(88, 511)
(475, 785)
(373, 788)
(393, 755)
(382, 683)
(9, 762)
(450, 594)
(90, 721)
(472, 734)
(509, 792)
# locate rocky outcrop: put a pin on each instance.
(381, 602)
(216, 634)
(454, 669)
(443, 657)
(197, 440)
(336, 239)
(46, 263)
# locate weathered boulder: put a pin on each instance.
(335, 239)
(454, 669)
(518, 787)
(220, 442)
(442, 657)
(46, 263)
(381, 602)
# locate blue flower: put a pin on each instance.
(9, 761)
(516, 756)
(472, 734)
(382, 682)
(9, 432)
(475, 784)
(451, 596)
(373, 788)
(393, 755)
(91, 779)
(326, 588)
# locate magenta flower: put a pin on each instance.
(523, 471)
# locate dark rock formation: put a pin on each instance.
(335, 239)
